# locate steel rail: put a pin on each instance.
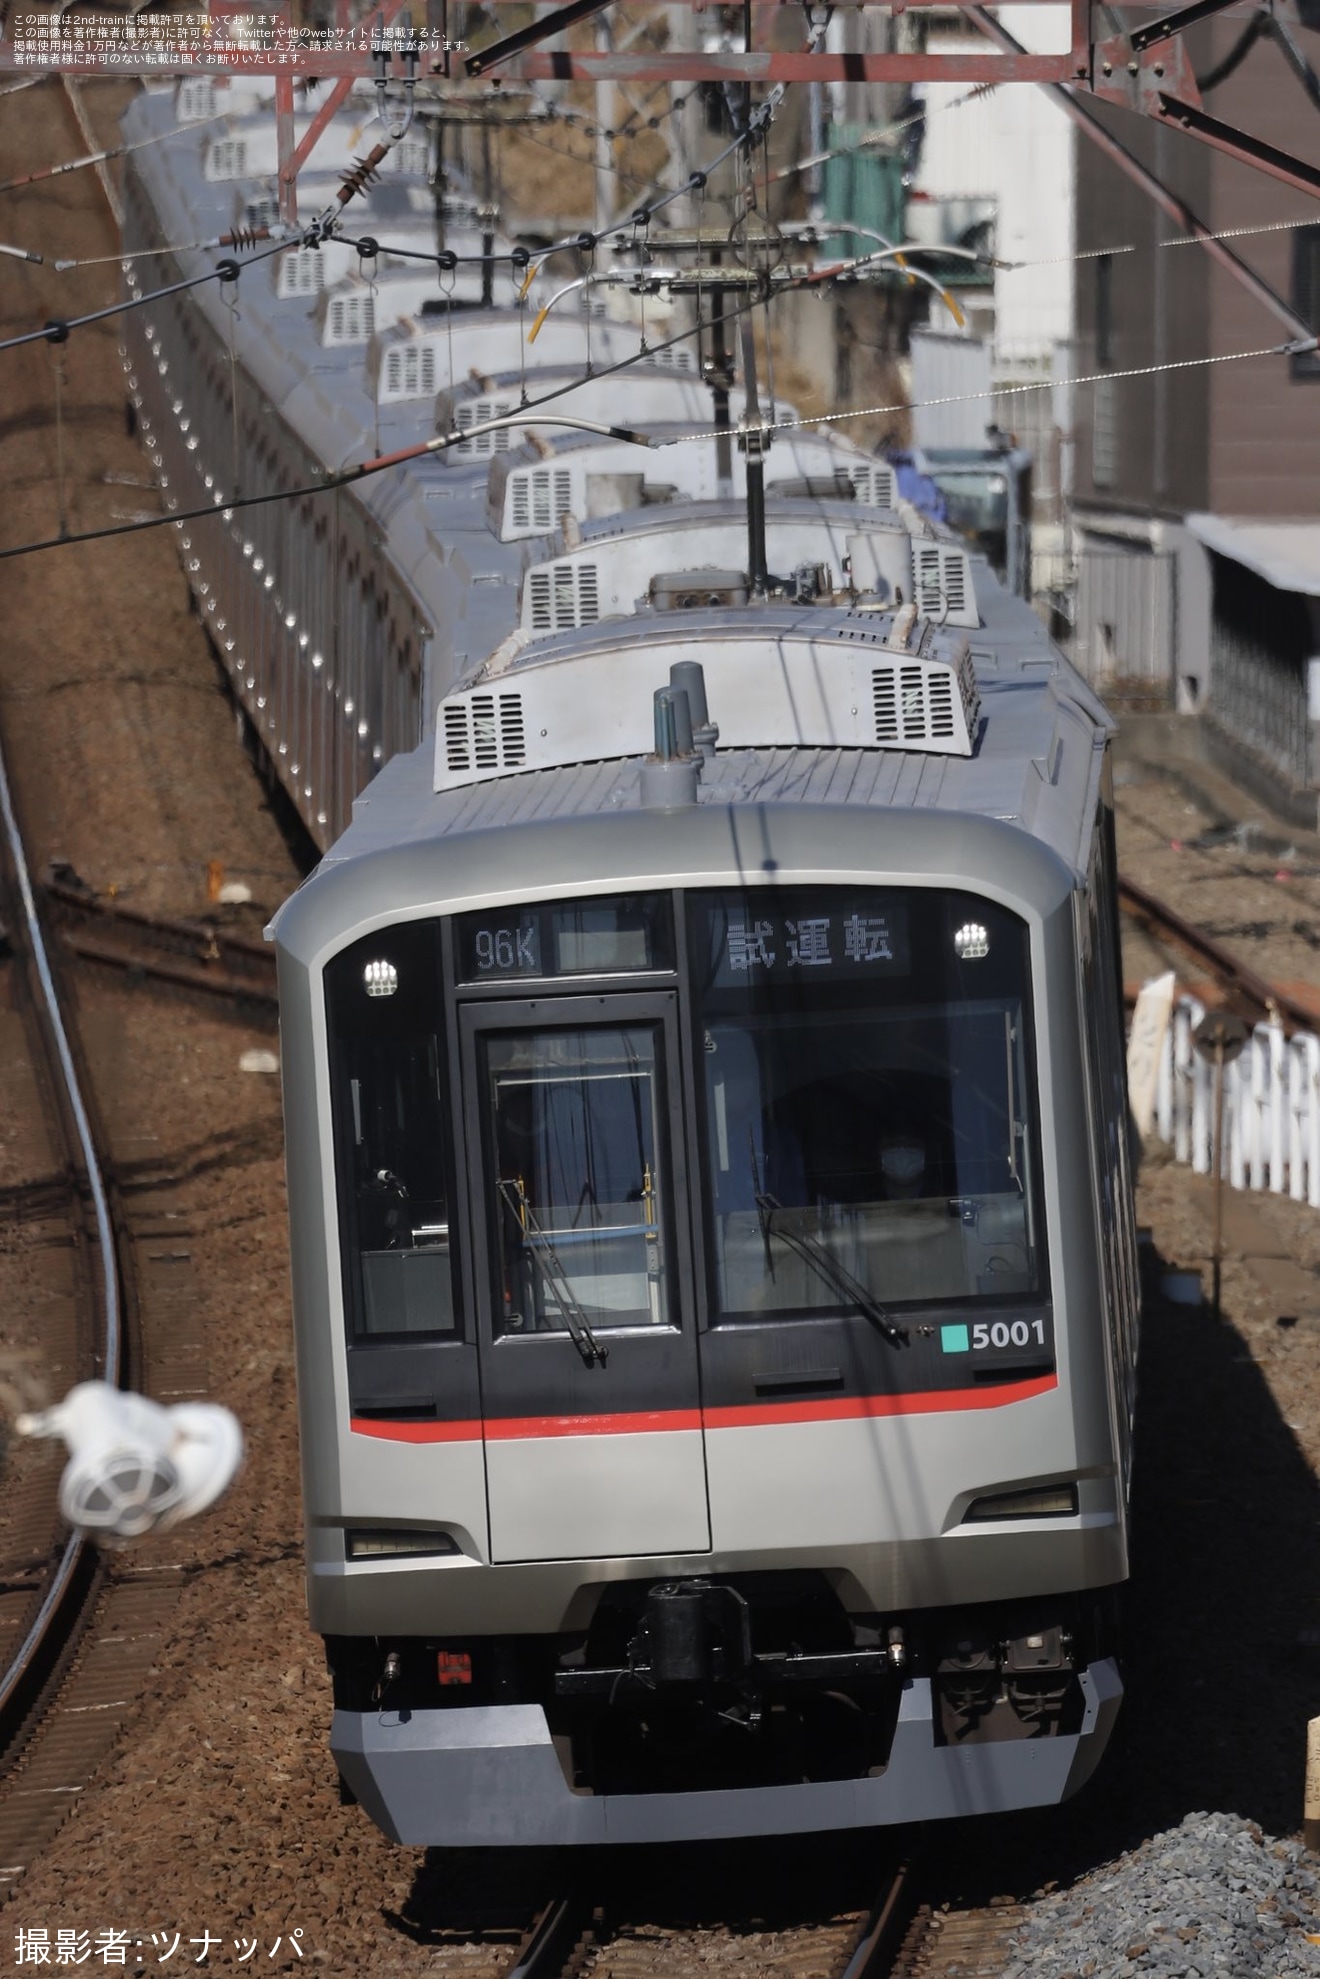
(1263, 998)
(886, 1927)
(76, 1546)
(553, 1935)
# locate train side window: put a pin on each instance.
(388, 1093)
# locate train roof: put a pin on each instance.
(1032, 754)
(1034, 767)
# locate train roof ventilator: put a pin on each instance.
(134, 1465)
(860, 688)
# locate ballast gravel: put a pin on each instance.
(1214, 1898)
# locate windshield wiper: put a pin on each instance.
(827, 1269)
(547, 1261)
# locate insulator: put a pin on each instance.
(242, 237)
(362, 174)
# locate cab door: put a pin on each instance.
(586, 1341)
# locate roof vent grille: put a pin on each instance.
(485, 732)
(914, 703)
(227, 158)
(196, 99)
(940, 577)
(475, 414)
(876, 485)
(561, 596)
(351, 320)
(302, 272)
(411, 155)
(410, 372)
(539, 498)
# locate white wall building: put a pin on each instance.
(1008, 154)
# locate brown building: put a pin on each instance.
(1197, 492)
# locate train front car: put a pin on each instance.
(712, 1239)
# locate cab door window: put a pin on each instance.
(574, 1164)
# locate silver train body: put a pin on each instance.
(714, 1270)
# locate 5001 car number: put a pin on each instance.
(1008, 1333)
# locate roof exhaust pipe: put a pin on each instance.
(689, 677)
(669, 777)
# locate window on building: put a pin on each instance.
(1306, 294)
(1104, 311)
(1104, 433)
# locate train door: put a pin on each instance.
(591, 1414)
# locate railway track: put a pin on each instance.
(77, 1635)
(1249, 994)
(898, 1937)
(190, 955)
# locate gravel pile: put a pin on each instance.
(1214, 1898)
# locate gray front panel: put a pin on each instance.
(464, 1778)
(589, 1497)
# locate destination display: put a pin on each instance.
(621, 934)
(834, 932)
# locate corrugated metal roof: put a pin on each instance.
(1035, 767)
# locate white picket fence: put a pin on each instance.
(1271, 1107)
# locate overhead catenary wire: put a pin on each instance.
(102, 157)
(312, 235)
(1150, 247)
(1293, 347)
(57, 331)
(877, 139)
(525, 415)
(241, 237)
(324, 228)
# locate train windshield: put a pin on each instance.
(868, 1072)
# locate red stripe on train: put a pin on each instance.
(855, 1408)
(416, 1432)
(752, 1415)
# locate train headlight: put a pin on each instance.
(971, 943)
(381, 978)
